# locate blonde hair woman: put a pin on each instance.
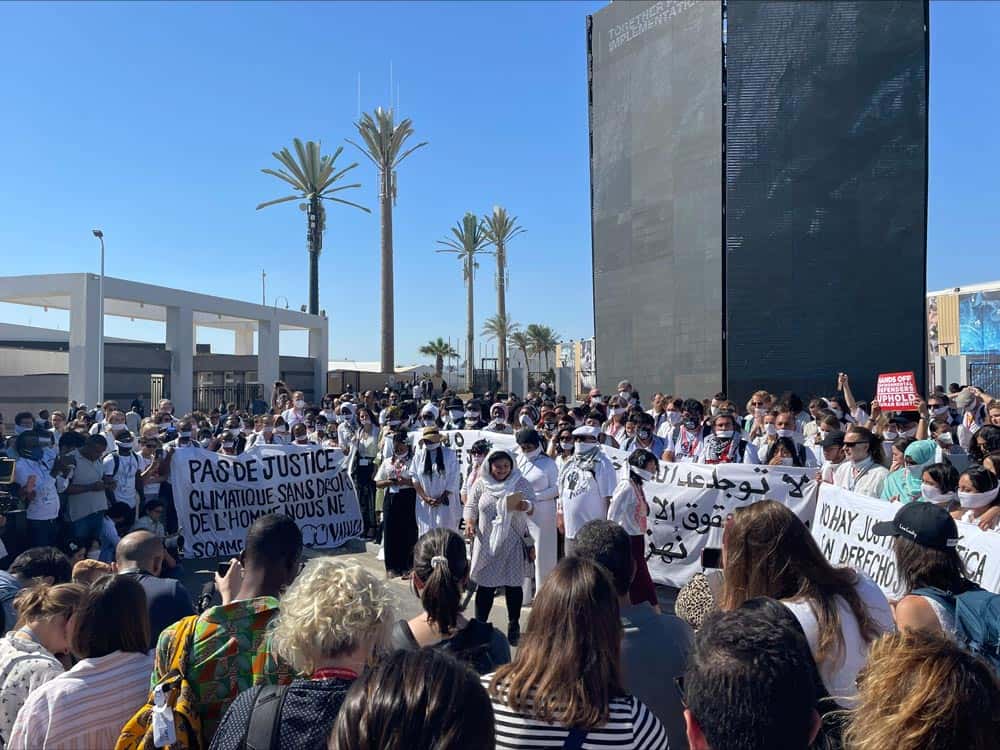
(335, 619)
(921, 691)
(28, 652)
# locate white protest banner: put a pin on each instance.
(219, 497)
(689, 504)
(843, 529)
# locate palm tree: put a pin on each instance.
(543, 340)
(501, 228)
(469, 241)
(439, 349)
(384, 140)
(521, 341)
(313, 178)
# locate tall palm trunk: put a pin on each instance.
(438, 365)
(314, 249)
(388, 316)
(470, 314)
(502, 312)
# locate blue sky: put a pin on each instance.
(153, 120)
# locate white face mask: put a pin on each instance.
(945, 439)
(939, 410)
(566, 445)
(822, 435)
(281, 429)
(526, 421)
(786, 433)
(932, 494)
(617, 411)
(532, 453)
(770, 430)
(724, 434)
(228, 444)
(118, 427)
(300, 404)
(976, 500)
(890, 435)
(714, 410)
(641, 473)
(205, 442)
(674, 417)
(788, 461)
(584, 449)
(909, 433)
(428, 421)
(837, 412)
(431, 447)
(184, 435)
(472, 416)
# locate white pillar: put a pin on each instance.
(268, 352)
(180, 343)
(319, 350)
(84, 340)
(244, 340)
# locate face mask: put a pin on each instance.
(837, 412)
(976, 500)
(532, 453)
(118, 428)
(19, 430)
(822, 435)
(597, 400)
(932, 494)
(498, 418)
(788, 462)
(455, 414)
(617, 412)
(281, 430)
(890, 435)
(428, 421)
(724, 434)
(205, 442)
(945, 439)
(585, 449)
(939, 410)
(786, 433)
(431, 447)
(526, 421)
(643, 434)
(550, 426)
(761, 413)
(566, 445)
(909, 433)
(184, 435)
(641, 473)
(228, 444)
(674, 417)
(300, 404)
(123, 447)
(394, 423)
(472, 416)
(714, 410)
(690, 424)
(770, 430)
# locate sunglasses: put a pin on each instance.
(851, 445)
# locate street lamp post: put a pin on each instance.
(100, 339)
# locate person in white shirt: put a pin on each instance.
(725, 444)
(35, 471)
(346, 427)
(122, 465)
(436, 479)
(863, 471)
(630, 510)
(298, 411)
(543, 475)
(586, 484)
(690, 435)
(111, 427)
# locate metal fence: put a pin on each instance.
(985, 375)
(207, 397)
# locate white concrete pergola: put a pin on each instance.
(182, 311)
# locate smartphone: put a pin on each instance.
(222, 569)
(159, 454)
(711, 557)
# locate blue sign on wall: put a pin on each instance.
(979, 322)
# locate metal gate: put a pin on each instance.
(155, 392)
(208, 397)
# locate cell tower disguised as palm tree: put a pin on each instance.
(313, 177)
(501, 228)
(383, 145)
(468, 241)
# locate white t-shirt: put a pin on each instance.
(869, 483)
(839, 675)
(626, 509)
(45, 506)
(584, 496)
(128, 467)
(152, 489)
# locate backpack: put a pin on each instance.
(977, 619)
(138, 733)
(265, 714)
(110, 494)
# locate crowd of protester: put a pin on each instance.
(780, 648)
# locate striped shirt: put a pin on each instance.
(630, 726)
(86, 707)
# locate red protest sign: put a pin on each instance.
(897, 391)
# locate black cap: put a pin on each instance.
(927, 524)
(835, 437)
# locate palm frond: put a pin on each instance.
(279, 200)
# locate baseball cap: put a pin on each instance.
(834, 437)
(927, 524)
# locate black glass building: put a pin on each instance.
(759, 189)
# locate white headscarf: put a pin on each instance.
(499, 492)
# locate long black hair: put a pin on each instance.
(438, 460)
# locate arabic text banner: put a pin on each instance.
(219, 497)
(689, 504)
(843, 529)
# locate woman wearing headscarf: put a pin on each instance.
(436, 478)
(477, 453)
(498, 420)
(495, 516)
(903, 485)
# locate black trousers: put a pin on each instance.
(399, 529)
(365, 486)
(514, 596)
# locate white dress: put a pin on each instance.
(506, 566)
(543, 475)
(435, 484)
